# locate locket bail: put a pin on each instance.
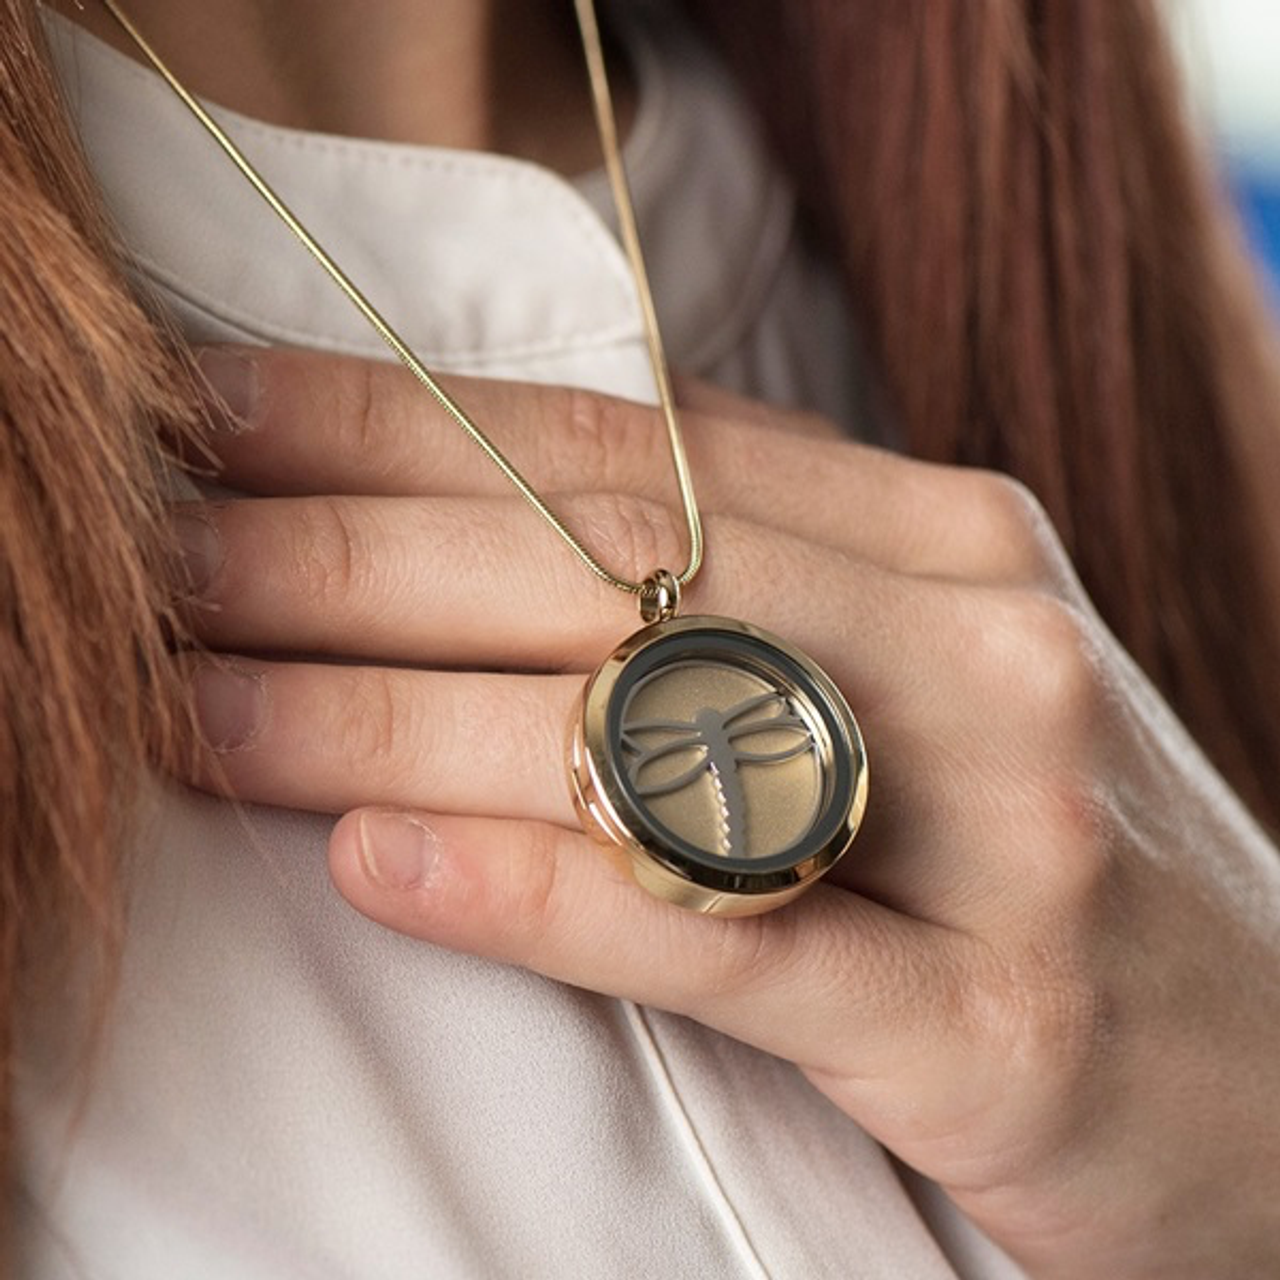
(660, 596)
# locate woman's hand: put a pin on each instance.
(1048, 973)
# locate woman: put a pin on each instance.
(1045, 980)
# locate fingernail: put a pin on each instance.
(201, 549)
(231, 704)
(232, 374)
(397, 850)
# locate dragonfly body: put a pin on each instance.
(713, 740)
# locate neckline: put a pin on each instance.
(196, 227)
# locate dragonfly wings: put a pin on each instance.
(713, 739)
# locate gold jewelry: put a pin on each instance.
(721, 764)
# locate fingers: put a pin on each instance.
(829, 981)
(459, 581)
(480, 582)
(313, 424)
(953, 758)
(327, 738)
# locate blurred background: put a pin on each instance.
(1232, 53)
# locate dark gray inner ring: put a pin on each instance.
(756, 655)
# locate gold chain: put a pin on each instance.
(631, 242)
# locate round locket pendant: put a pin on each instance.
(721, 762)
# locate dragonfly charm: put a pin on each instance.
(714, 740)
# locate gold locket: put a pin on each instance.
(721, 764)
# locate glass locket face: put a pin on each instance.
(722, 760)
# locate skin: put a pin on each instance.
(1049, 975)
(490, 75)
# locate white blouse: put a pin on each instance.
(287, 1090)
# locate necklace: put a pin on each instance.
(720, 764)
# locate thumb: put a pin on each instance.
(834, 982)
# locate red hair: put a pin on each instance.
(86, 686)
(1046, 284)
